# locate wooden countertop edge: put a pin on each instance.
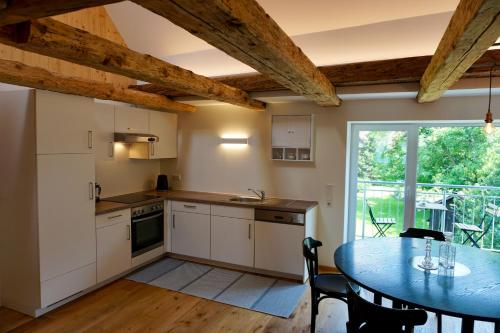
(287, 205)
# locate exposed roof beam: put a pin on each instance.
(13, 72)
(242, 29)
(16, 11)
(55, 39)
(401, 70)
(473, 28)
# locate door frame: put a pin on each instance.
(351, 174)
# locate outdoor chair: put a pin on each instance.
(328, 285)
(367, 317)
(381, 224)
(474, 233)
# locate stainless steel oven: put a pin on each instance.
(147, 228)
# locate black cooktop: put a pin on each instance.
(131, 198)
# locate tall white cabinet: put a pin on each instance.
(49, 242)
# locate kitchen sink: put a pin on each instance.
(245, 199)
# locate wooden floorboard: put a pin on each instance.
(127, 306)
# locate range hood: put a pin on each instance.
(135, 138)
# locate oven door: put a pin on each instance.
(147, 233)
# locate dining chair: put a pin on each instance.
(381, 224)
(474, 233)
(421, 233)
(331, 285)
(367, 317)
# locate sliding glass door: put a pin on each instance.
(379, 197)
(430, 176)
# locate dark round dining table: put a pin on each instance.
(386, 267)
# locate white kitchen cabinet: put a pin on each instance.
(278, 247)
(131, 120)
(292, 138)
(232, 240)
(164, 126)
(114, 249)
(104, 116)
(191, 234)
(66, 219)
(64, 123)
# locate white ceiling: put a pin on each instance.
(328, 31)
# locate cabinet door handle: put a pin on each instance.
(152, 149)
(190, 206)
(91, 191)
(249, 231)
(111, 149)
(129, 232)
(114, 216)
(173, 221)
(89, 139)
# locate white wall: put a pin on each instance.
(123, 175)
(205, 165)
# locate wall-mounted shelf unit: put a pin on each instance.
(292, 138)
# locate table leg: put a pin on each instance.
(439, 322)
(497, 327)
(467, 325)
(377, 298)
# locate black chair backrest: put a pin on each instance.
(421, 233)
(367, 317)
(310, 250)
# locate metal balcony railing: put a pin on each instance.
(464, 204)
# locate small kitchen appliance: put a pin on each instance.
(162, 183)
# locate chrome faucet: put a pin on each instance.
(260, 193)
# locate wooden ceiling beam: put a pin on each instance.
(473, 28)
(16, 11)
(13, 72)
(403, 70)
(243, 30)
(55, 39)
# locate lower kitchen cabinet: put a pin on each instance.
(114, 250)
(191, 234)
(232, 240)
(278, 247)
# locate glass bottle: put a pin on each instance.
(447, 252)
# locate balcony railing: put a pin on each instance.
(463, 203)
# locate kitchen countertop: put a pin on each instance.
(288, 205)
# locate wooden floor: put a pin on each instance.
(127, 306)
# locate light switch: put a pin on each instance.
(329, 194)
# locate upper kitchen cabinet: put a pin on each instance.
(64, 123)
(164, 126)
(104, 115)
(131, 120)
(292, 138)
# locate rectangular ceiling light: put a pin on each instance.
(234, 141)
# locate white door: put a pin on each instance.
(131, 120)
(278, 247)
(299, 129)
(66, 211)
(104, 116)
(114, 250)
(280, 135)
(163, 125)
(232, 240)
(191, 234)
(64, 123)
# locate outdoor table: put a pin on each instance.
(433, 206)
(385, 266)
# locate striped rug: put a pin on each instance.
(263, 294)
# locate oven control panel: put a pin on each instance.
(147, 209)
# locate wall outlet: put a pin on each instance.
(176, 178)
(329, 194)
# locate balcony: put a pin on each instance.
(463, 203)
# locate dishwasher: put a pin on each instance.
(278, 241)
